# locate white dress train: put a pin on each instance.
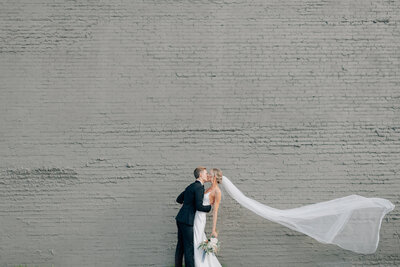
(201, 260)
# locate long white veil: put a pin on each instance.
(351, 222)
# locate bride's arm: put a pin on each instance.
(215, 212)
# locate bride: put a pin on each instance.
(211, 197)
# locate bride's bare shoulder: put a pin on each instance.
(216, 191)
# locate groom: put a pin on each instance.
(192, 199)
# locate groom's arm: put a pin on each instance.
(199, 195)
(179, 199)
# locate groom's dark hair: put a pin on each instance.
(198, 170)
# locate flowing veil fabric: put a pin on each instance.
(352, 222)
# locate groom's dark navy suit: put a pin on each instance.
(192, 199)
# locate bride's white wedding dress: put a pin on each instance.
(201, 260)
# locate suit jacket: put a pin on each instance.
(192, 199)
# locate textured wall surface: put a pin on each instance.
(106, 107)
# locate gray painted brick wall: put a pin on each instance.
(108, 106)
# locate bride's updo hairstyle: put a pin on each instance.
(217, 174)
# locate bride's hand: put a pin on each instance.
(214, 234)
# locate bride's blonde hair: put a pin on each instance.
(217, 174)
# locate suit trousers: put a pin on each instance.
(185, 245)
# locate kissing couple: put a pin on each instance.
(352, 222)
(191, 218)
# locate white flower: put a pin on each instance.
(213, 240)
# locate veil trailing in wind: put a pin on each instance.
(351, 222)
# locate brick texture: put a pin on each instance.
(106, 107)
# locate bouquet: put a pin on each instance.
(211, 245)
